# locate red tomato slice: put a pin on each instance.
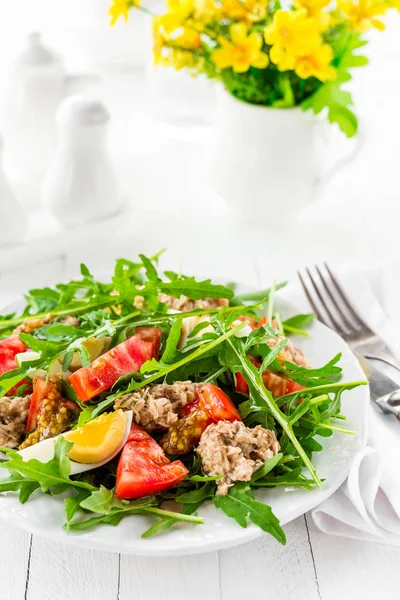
(275, 383)
(292, 386)
(143, 468)
(214, 402)
(9, 348)
(152, 335)
(241, 384)
(124, 359)
(40, 390)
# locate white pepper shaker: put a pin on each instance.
(36, 86)
(80, 185)
(13, 219)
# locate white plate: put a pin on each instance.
(44, 516)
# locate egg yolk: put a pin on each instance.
(98, 439)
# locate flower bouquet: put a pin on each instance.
(268, 55)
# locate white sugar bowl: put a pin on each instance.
(80, 184)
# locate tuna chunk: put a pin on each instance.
(13, 416)
(184, 303)
(290, 353)
(156, 407)
(235, 451)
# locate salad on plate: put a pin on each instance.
(155, 393)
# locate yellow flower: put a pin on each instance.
(242, 52)
(292, 34)
(178, 12)
(188, 37)
(180, 7)
(121, 8)
(245, 10)
(362, 13)
(204, 10)
(316, 64)
(313, 7)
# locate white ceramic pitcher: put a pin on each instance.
(263, 160)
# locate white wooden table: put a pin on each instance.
(169, 205)
(312, 565)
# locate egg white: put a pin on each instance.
(44, 450)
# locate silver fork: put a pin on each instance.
(333, 308)
(330, 304)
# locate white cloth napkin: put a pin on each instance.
(367, 505)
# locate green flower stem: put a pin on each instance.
(145, 10)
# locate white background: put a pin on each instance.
(169, 205)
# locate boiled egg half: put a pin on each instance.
(95, 443)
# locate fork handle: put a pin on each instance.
(390, 403)
(377, 349)
(385, 357)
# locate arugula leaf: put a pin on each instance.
(198, 328)
(16, 482)
(42, 300)
(72, 504)
(267, 467)
(196, 290)
(199, 495)
(298, 323)
(68, 357)
(272, 355)
(329, 373)
(166, 523)
(45, 348)
(116, 514)
(103, 501)
(257, 296)
(174, 336)
(290, 478)
(203, 478)
(241, 505)
(56, 471)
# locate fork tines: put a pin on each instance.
(329, 302)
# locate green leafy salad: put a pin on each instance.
(155, 393)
